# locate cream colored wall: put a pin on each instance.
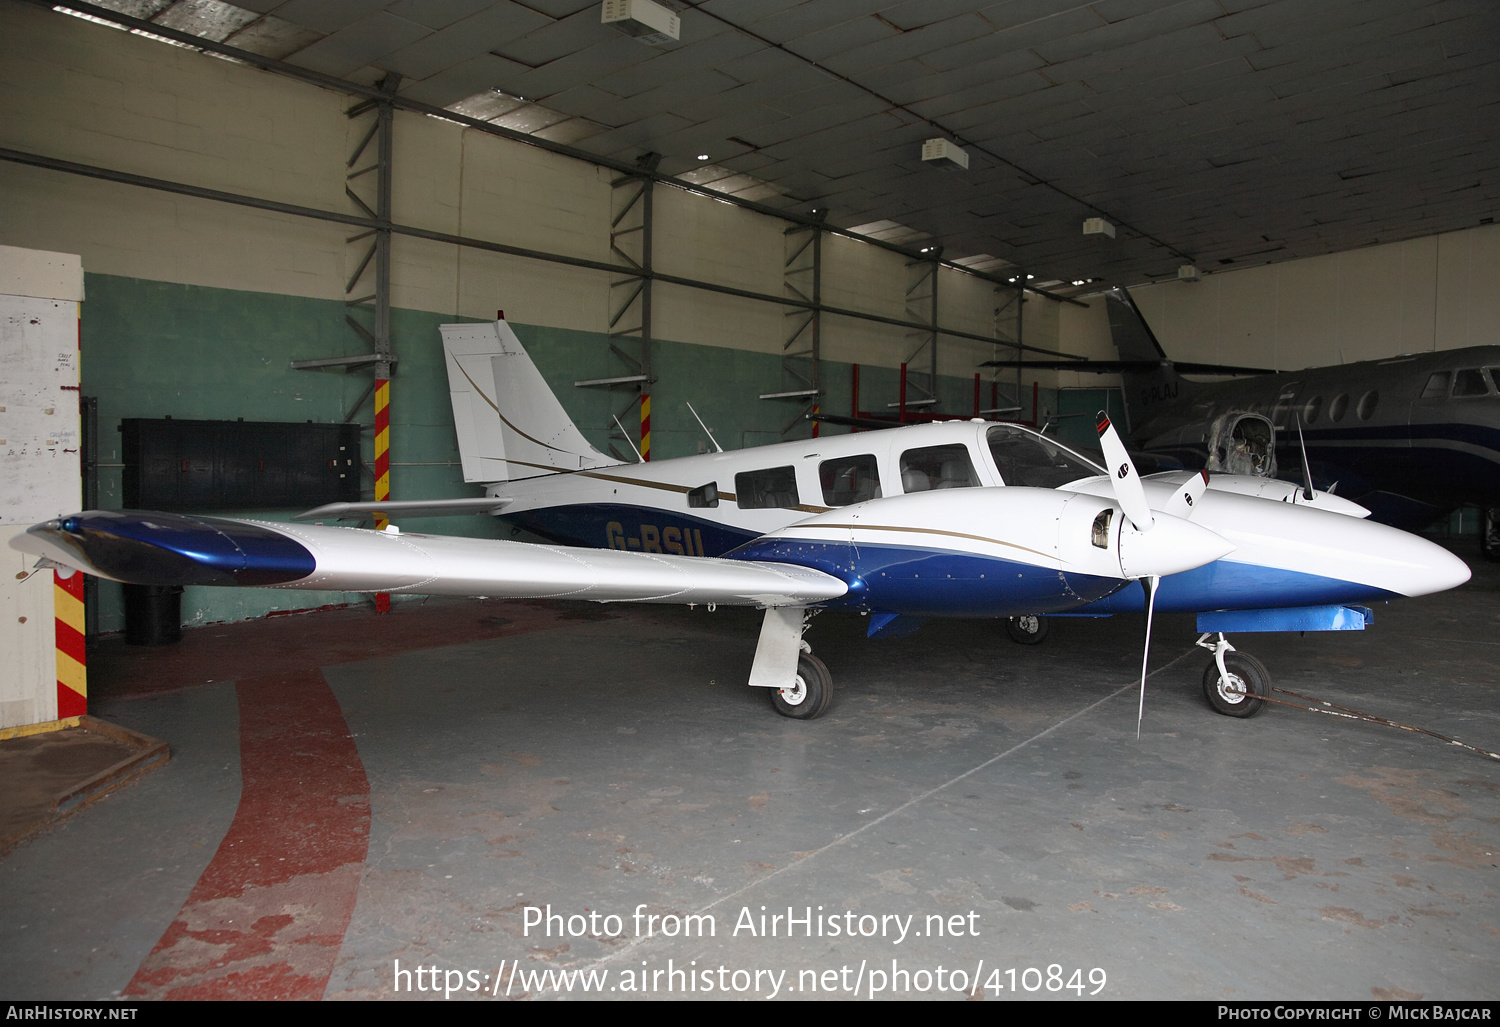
(94, 95)
(88, 93)
(28, 633)
(1437, 292)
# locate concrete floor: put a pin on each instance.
(348, 792)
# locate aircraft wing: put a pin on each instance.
(173, 549)
(1127, 366)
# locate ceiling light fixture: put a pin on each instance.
(1098, 226)
(646, 20)
(703, 156)
(941, 153)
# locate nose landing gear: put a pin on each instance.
(1235, 684)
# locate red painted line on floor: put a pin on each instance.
(267, 917)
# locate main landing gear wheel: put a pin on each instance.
(1243, 693)
(809, 695)
(1028, 630)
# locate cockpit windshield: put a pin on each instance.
(1026, 459)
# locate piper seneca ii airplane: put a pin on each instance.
(1411, 437)
(966, 519)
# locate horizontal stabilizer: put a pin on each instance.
(403, 508)
(1127, 366)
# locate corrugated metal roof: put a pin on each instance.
(1218, 132)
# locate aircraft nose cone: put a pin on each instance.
(1172, 546)
(1438, 571)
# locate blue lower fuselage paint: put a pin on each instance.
(635, 528)
(920, 582)
(1227, 585)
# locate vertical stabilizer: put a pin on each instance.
(1154, 386)
(509, 423)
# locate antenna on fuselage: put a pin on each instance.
(710, 434)
(638, 458)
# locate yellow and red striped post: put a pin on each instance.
(382, 467)
(645, 427)
(72, 673)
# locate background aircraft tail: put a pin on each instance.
(1147, 392)
(510, 424)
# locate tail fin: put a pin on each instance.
(510, 424)
(1147, 392)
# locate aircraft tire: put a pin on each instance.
(1028, 629)
(1250, 683)
(812, 694)
(1489, 532)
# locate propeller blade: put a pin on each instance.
(1307, 489)
(1149, 584)
(1123, 477)
(1184, 502)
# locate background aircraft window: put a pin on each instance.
(1437, 385)
(1494, 373)
(937, 467)
(1281, 414)
(775, 488)
(1024, 459)
(1469, 382)
(1367, 404)
(1338, 406)
(704, 496)
(1312, 409)
(849, 480)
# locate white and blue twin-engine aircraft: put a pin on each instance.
(968, 519)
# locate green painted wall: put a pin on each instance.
(153, 349)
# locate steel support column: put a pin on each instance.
(630, 239)
(378, 302)
(801, 354)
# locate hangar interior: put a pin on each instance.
(740, 218)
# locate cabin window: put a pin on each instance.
(1282, 411)
(937, 467)
(1338, 406)
(1367, 404)
(849, 480)
(1437, 385)
(1469, 382)
(704, 496)
(1024, 459)
(774, 488)
(1312, 409)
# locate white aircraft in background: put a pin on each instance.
(959, 519)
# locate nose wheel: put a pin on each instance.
(1235, 684)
